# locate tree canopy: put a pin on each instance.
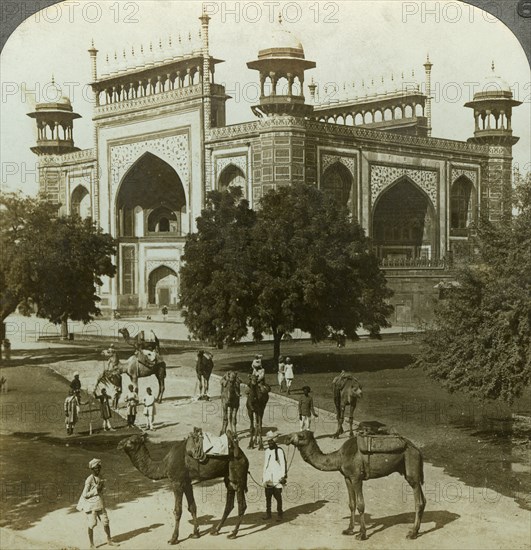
(299, 262)
(481, 339)
(55, 262)
(215, 292)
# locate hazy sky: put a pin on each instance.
(349, 41)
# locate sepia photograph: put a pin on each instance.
(265, 274)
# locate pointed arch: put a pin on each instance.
(232, 176)
(463, 206)
(149, 183)
(404, 223)
(80, 202)
(163, 286)
(337, 181)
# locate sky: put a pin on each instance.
(350, 41)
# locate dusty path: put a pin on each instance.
(457, 516)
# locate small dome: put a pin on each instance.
(282, 39)
(65, 100)
(494, 85)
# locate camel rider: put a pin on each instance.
(112, 354)
(258, 368)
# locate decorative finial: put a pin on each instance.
(492, 66)
(92, 42)
(413, 73)
(189, 36)
(280, 18)
(427, 58)
(53, 80)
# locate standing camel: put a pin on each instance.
(230, 401)
(135, 370)
(203, 369)
(347, 391)
(356, 466)
(257, 398)
(180, 468)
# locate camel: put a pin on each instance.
(230, 400)
(356, 466)
(135, 370)
(180, 468)
(138, 341)
(347, 391)
(203, 369)
(257, 398)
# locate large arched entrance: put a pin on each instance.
(150, 186)
(337, 182)
(80, 202)
(404, 224)
(163, 287)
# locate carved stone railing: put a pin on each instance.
(414, 263)
(163, 98)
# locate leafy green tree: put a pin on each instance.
(312, 269)
(299, 262)
(51, 261)
(481, 339)
(215, 278)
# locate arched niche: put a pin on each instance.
(80, 202)
(232, 176)
(163, 287)
(337, 182)
(463, 206)
(403, 223)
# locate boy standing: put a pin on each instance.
(105, 409)
(131, 400)
(71, 411)
(149, 409)
(91, 502)
(306, 409)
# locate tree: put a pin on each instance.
(481, 339)
(215, 278)
(53, 262)
(21, 220)
(312, 269)
(299, 262)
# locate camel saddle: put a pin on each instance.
(148, 358)
(202, 445)
(372, 444)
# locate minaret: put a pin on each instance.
(207, 99)
(55, 125)
(427, 66)
(93, 52)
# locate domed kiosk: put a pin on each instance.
(55, 124)
(282, 58)
(493, 107)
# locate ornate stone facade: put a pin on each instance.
(383, 176)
